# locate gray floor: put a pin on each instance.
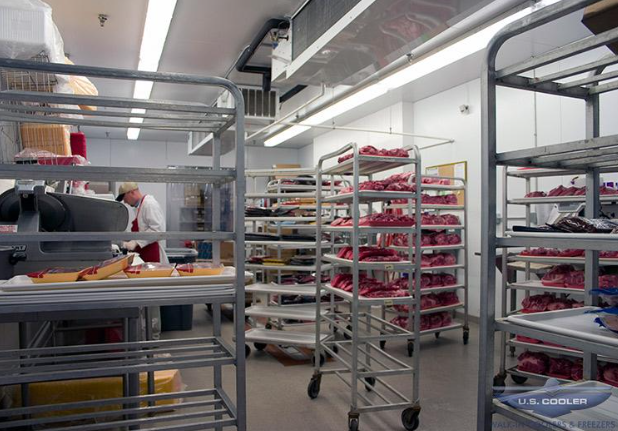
(277, 395)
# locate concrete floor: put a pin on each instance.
(277, 395)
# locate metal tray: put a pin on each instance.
(574, 323)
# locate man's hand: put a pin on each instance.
(130, 245)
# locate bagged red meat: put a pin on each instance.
(537, 303)
(603, 190)
(556, 191)
(448, 279)
(436, 280)
(608, 254)
(533, 362)
(571, 252)
(540, 252)
(523, 339)
(435, 321)
(387, 294)
(556, 276)
(607, 281)
(560, 368)
(577, 371)
(426, 281)
(448, 298)
(400, 321)
(430, 301)
(609, 374)
(537, 194)
(575, 280)
(451, 219)
(368, 150)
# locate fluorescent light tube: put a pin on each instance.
(452, 53)
(158, 19)
(285, 135)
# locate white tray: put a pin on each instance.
(574, 323)
(23, 284)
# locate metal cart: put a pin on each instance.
(590, 156)
(363, 361)
(199, 409)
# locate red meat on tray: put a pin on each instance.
(608, 254)
(523, 339)
(556, 191)
(603, 190)
(559, 304)
(537, 303)
(560, 368)
(451, 219)
(541, 251)
(575, 280)
(571, 252)
(533, 362)
(609, 374)
(556, 276)
(448, 298)
(537, 194)
(577, 371)
(449, 279)
(607, 281)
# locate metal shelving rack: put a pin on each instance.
(200, 409)
(275, 193)
(363, 361)
(461, 269)
(590, 156)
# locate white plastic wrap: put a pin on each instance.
(27, 30)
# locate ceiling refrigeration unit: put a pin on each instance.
(341, 42)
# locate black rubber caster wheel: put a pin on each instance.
(371, 382)
(259, 346)
(437, 335)
(335, 349)
(520, 380)
(466, 337)
(247, 351)
(512, 351)
(499, 384)
(410, 349)
(322, 359)
(313, 390)
(353, 424)
(382, 344)
(346, 335)
(209, 308)
(410, 419)
(268, 326)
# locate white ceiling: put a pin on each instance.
(205, 38)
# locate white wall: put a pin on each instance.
(160, 154)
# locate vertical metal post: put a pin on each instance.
(23, 344)
(216, 198)
(150, 374)
(217, 375)
(467, 269)
(593, 207)
(239, 262)
(134, 383)
(505, 268)
(488, 241)
(355, 277)
(318, 270)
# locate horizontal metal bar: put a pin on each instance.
(104, 173)
(575, 157)
(358, 393)
(589, 80)
(393, 390)
(371, 408)
(594, 157)
(607, 164)
(527, 154)
(111, 236)
(603, 88)
(567, 73)
(112, 102)
(49, 119)
(566, 242)
(217, 119)
(524, 83)
(574, 48)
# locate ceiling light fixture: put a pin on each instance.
(158, 19)
(452, 53)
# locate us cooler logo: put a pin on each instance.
(553, 400)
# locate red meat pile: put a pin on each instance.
(609, 374)
(438, 259)
(428, 321)
(547, 302)
(533, 362)
(368, 287)
(570, 191)
(567, 276)
(394, 220)
(553, 252)
(563, 368)
(428, 239)
(370, 254)
(450, 199)
(433, 300)
(368, 150)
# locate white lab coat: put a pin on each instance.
(150, 219)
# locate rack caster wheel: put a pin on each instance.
(268, 326)
(382, 344)
(335, 349)
(345, 335)
(209, 308)
(322, 359)
(247, 351)
(437, 335)
(512, 351)
(313, 390)
(499, 384)
(410, 419)
(370, 383)
(520, 380)
(353, 424)
(410, 349)
(466, 337)
(259, 346)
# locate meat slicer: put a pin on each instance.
(31, 208)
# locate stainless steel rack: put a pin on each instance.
(590, 156)
(281, 316)
(363, 362)
(197, 409)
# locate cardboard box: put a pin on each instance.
(55, 138)
(602, 16)
(286, 166)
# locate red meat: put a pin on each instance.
(607, 281)
(608, 255)
(426, 281)
(387, 294)
(581, 191)
(430, 301)
(559, 304)
(538, 194)
(451, 219)
(575, 280)
(436, 280)
(609, 374)
(448, 298)
(577, 371)
(556, 276)
(571, 252)
(533, 362)
(556, 191)
(540, 252)
(537, 303)
(449, 280)
(603, 190)
(560, 368)
(435, 321)
(528, 340)
(400, 321)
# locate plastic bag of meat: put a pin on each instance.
(609, 374)
(556, 191)
(608, 254)
(448, 298)
(451, 219)
(448, 279)
(537, 194)
(523, 339)
(571, 252)
(577, 371)
(560, 368)
(608, 281)
(556, 276)
(533, 362)
(436, 280)
(430, 301)
(537, 303)
(435, 321)
(560, 304)
(575, 280)
(400, 321)
(541, 251)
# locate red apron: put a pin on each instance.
(150, 253)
